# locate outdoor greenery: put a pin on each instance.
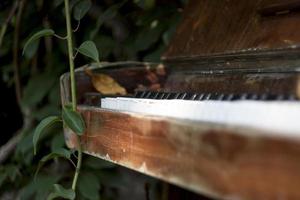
(35, 49)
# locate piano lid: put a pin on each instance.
(213, 28)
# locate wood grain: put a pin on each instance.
(235, 27)
(218, 161)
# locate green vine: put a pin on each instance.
(70, 117)
(73, 87)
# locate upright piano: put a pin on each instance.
(220, 115)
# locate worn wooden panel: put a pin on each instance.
(130, 75)
(213, 27)
(236, 83)
(219, 161)
(188, 79)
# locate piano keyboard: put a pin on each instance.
(212, 96)
(277, 114)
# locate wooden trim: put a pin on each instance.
(215, 160)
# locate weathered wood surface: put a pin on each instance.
(219, 161)
(236, 83)
(236, 27)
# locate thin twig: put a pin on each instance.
(48, 46)
(60, 37)
(7, 20)
(10, 145)
(16, 44)
(77, 27)
(71, 161)
(75, 54)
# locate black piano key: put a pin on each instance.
(193, 97)
(171, 95)
(220, 97)
(217, 96)
(228, 97)
(152, 95)
(155, 94)
(182, 96)
(236, 97)
(292, 98)
(213, 96)
(167, 95)
(137, 94)
(263, 97)
(200, 97)
(176, 96)
(188, 96)
(207, 96)
(140, 94)
(244, 96)
(281, 97)
(253, 97)
(160, 95)
(147, 95)
(272, 97)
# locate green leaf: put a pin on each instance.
(24, 150)
(73, 120)
(88, 186)
(47, 110)
(3, 177)
(60, 191)
(36, 36)
(58, 153)
(12, 172)
(58, 2)
(148, 37)
(81, 8)
(57, 142)
(89, 49)
(37, 88)
(32, 49)
(42, 127)
(108, 14)
(61, 152)
(40, 187)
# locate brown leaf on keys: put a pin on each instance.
(105, 84)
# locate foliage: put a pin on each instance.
(121, 30)
(89, 49)
(73, 120)
(36, 36)
(42, 127)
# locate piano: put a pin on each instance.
(219, 116)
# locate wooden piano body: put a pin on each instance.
(239, 47)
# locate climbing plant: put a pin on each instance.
(34, 51)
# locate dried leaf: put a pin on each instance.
(105, 84)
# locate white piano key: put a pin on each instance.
(277, 117)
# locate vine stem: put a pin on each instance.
(73, 88)
(70, 52)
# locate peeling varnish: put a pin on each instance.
(143, 168)
(204, 189)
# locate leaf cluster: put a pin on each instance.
(120, 30)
